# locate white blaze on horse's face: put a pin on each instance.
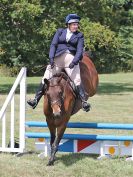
(73, 27)
(56, 110)
(55, 99)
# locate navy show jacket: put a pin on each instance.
(59, 45)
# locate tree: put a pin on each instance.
(27, 27)
(103, 43)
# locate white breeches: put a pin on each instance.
(61, 62)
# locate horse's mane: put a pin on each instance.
(56, 78)
(61, 74)
(59, 77)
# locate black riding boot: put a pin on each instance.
(39, 93)
(85, 106)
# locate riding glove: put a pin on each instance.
(52, 64)
(71, 65)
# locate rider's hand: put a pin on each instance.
(52, 64)
(71, 65)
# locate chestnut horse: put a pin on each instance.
(60, 101)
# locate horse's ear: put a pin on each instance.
(46, 82)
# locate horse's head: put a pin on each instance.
(55, 94)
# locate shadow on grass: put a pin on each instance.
(114, 88)
(104, 88)
(72, 158)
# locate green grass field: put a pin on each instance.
(113, 103)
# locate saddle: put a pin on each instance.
(89, 80)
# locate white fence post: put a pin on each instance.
(21, 79)
(12, 123)
(22, 111)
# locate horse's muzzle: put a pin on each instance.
(57, 114)
(56, 110)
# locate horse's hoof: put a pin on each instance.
(55, 159)
(50, 163)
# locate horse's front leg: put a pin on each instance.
(52, 130)
(54, 148)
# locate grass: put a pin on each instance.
(113, 103)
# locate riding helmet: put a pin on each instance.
(72, 18)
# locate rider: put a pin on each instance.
(66, 51)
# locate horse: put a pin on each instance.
(60, 101)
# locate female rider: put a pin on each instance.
(66, 51)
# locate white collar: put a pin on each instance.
(68, 31)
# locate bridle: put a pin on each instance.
(62, 97)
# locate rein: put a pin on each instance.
(45, 66)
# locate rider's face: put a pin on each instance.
(73, 27)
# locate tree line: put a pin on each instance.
(27, 28)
